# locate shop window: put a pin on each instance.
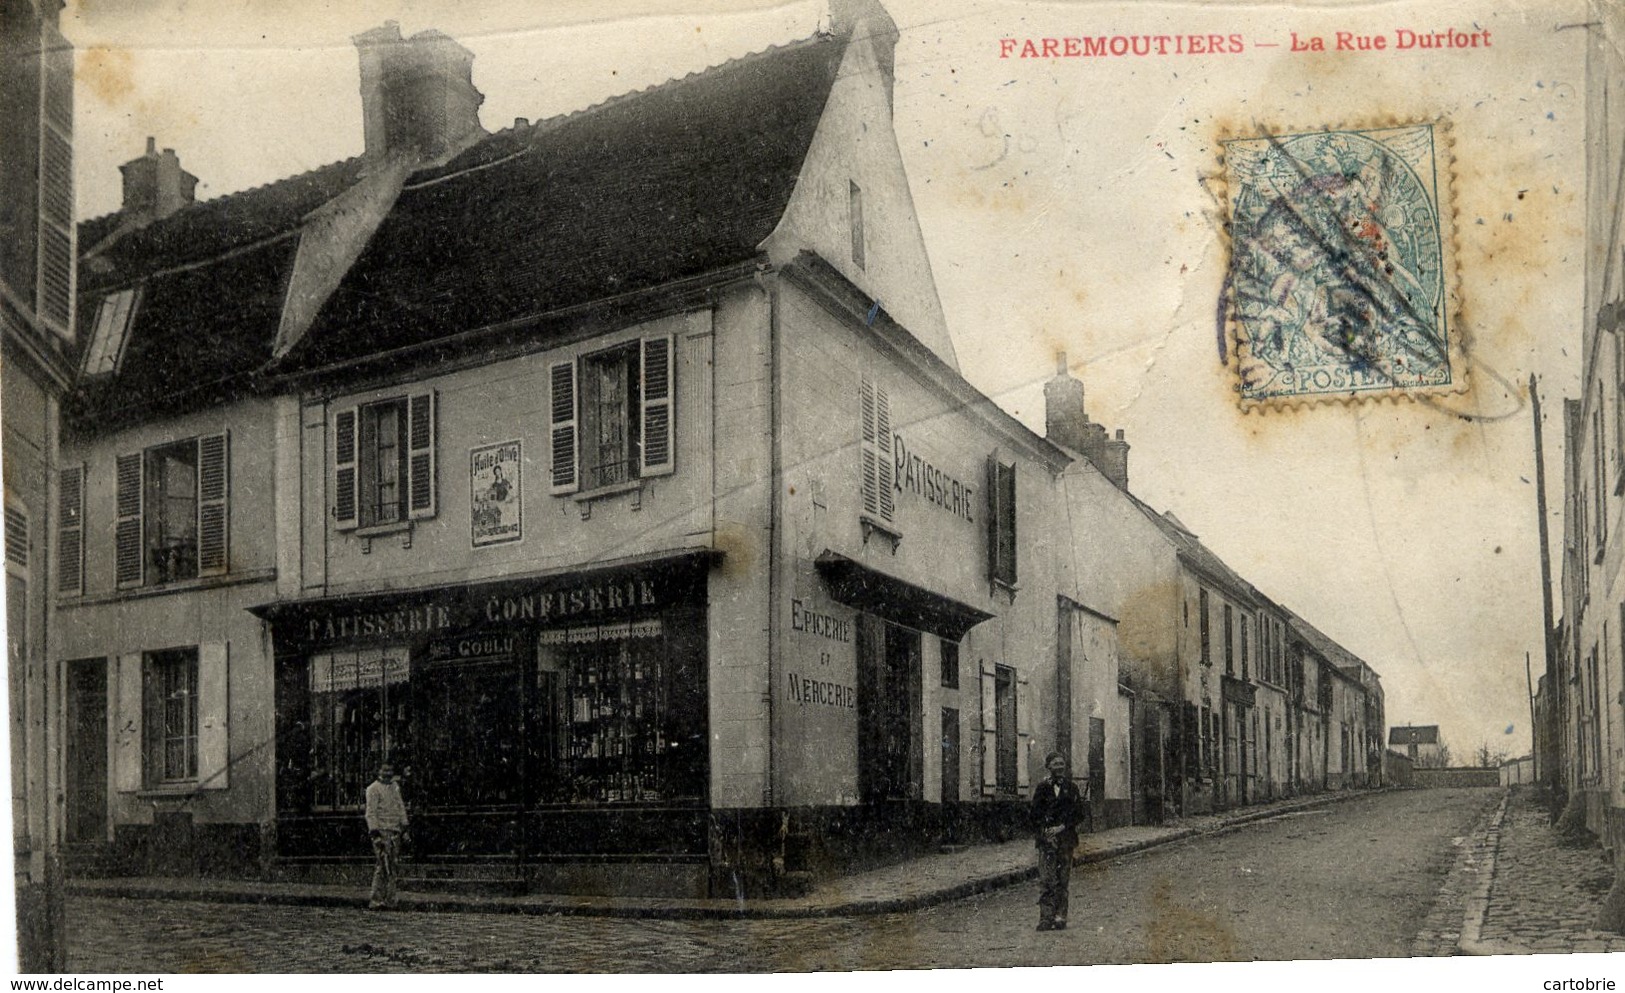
(1001, 522)
(878, 469)
(1206, 626)
(622, 716)
(610, 416)
(172, 505)
(950, 664)
(360, 712)
(170, 705)
(384, 462)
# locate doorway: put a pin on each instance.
(469, 729)
(889, 766)
(87, 752)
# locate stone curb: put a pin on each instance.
(645, 908)
(1477, 905)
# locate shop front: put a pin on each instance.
(554, 718)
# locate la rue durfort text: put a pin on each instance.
(1106, 46)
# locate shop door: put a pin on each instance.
(888, 711)
(470, 729)
(87, 753)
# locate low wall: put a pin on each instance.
(1455, 778)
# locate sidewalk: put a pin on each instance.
(1535, 895)
(922, 882)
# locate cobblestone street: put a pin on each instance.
(1546, 895)
(1307, 884)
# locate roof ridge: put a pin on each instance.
(102, 218)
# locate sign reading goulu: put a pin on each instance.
(913, 474)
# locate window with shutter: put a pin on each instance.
(170, 717)
(1001, 522)
(1024, 734)
(129, 710)
(129, 547)
(990, 733)
(213, 517)
(55, 170)
(421, 474)
(213, 738)
(877, 468)
(70, 531)
(658, 389)
(561, 378)
(16, 536)
(345, 504)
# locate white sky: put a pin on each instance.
(1070, 204)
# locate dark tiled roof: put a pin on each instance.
(201, 335)
(1427, 734)
(668, 183)
(207, 229)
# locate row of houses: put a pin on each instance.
(615, 478)
(1580, 700)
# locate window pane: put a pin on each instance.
(171, 512)
(360, 705)
(610, 414)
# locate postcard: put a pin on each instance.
(949, 485)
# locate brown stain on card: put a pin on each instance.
(1178, 933)
(739, 548)
(107, 71)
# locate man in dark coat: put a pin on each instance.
(1057, 809)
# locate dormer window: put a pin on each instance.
(855, 218)
(114, 317)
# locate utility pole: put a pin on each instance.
(1545, 590)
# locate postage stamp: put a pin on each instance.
(1341, 278)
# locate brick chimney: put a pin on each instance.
(155, 185)
(417, 93)
(1067, 423)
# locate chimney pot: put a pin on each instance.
(155, 185)
(417, 93)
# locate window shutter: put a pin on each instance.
(871, 457)
(1007, 523)
(129, 543)
(658, 392)
(213, 725)
(883, 453)
(561, 378)
(213, 504)
(344, 470)
(17, 536)
(127, 714)
(990, 735)
(1024, 735)
(993, 570)
(70, 531)
(421, 420)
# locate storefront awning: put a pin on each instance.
(899, 601)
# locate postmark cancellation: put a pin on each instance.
(1342, 281)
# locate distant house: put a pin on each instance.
(1420, 744)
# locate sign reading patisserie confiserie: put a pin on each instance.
(496, 508)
